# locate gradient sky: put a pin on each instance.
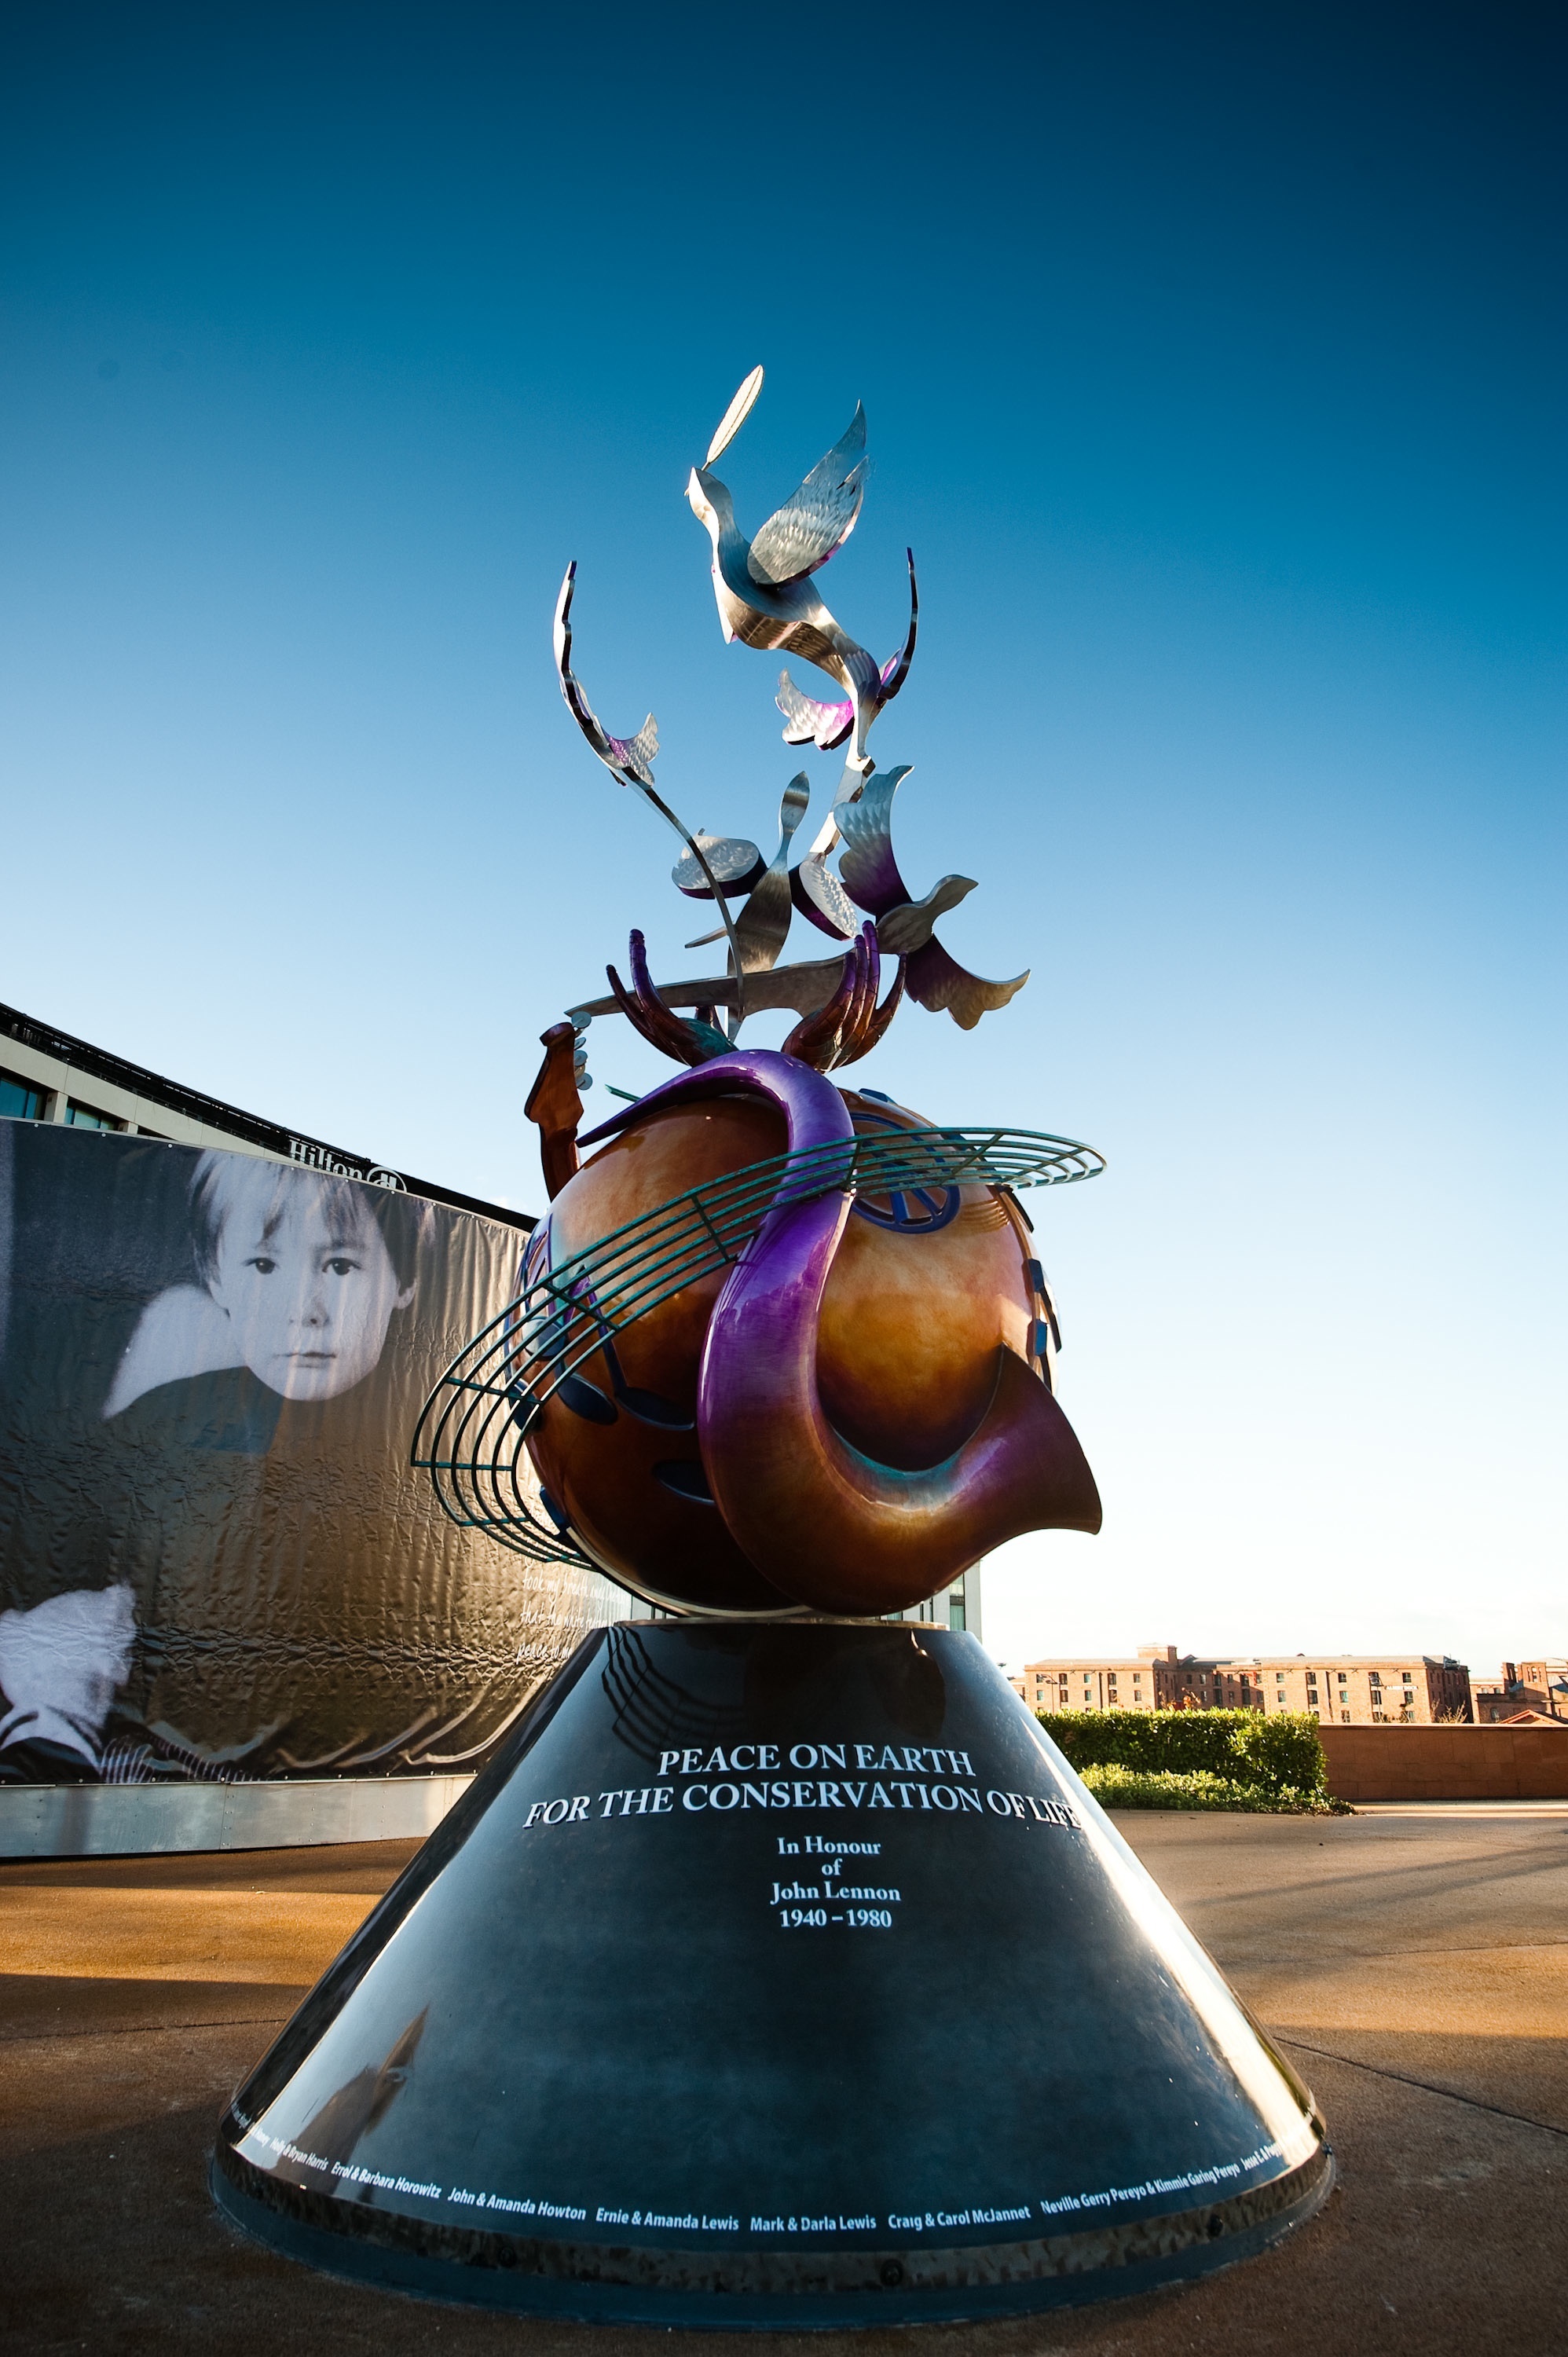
(1212, 361)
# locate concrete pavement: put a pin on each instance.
(1414, 1962)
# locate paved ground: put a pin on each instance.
(1414, 1962)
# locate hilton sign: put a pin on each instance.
(321, 1158)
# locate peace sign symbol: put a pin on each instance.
(912, 1210)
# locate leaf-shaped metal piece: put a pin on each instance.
(735, 417)
(736, 863)
(762, 927)
(822, 898)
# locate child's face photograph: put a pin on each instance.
(308, 1290)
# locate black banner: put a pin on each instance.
(215, 1559)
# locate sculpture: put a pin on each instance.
(690, 2011)
(749, 1378)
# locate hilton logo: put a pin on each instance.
(318, 1157)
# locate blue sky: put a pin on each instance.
(1212, 361)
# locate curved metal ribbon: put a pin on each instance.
(817, 1518)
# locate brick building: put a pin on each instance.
(1157, 1680)
(1540, 1686)
(1350, 1690)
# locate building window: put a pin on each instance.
(957, 1618)
(20, 1099)
(1345, 1717)
(83, 1117)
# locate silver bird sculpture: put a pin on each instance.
(765, 597)
(764, 588)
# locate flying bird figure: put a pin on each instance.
(763, 586)
(905, 925)
(765, 597)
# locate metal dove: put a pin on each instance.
(871, 875)
(763, 586)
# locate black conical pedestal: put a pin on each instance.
(778, 1976)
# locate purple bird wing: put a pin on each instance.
(869, 870)
(809, 722)
(936, 980)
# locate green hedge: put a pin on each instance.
(1278, 1753)
(1115, 1787)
